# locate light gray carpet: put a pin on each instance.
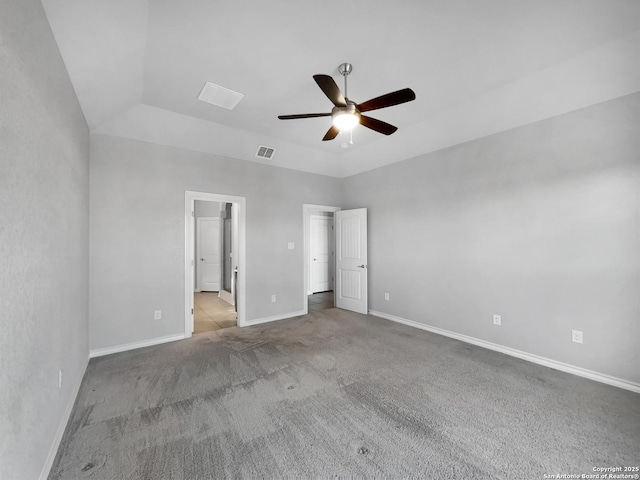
(339, 394)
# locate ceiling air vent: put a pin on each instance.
(219, 96)
(265, 152)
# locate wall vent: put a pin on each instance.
(265, 152)
(219, 96)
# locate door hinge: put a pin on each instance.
(192, 311)
(192, 214)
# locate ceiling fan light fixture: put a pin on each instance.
(345, 121)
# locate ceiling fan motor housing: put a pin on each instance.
(349, 109)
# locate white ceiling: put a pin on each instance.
(477, 68)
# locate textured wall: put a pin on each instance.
(44, 238)
(540, 224)
(137, 234)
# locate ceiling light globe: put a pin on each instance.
(345, 121)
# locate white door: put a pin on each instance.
(209, 254)
(321, 255)
(351, 260)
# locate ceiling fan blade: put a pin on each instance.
(303, 115)
(331, 133)
(388, 100)
(377, 125)
(328, 85)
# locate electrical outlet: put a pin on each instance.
(157, 315)
(273, 299)
(497, 319)
(386, 296)
(60, 378)
(576, 336)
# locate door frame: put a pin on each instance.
(309, 209)
(189, 253)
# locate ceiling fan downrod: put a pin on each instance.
(344, 70)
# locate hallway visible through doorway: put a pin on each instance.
(211, 313)
(319, 256)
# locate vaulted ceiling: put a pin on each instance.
(477, 68)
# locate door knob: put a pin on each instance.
(362, 266)
(314, 259)
(202, 259)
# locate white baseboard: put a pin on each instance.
(99, 352)
(547, 362)
(273, 318)
(46, 468)
(226, 296)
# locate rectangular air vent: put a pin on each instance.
(265, 152)
(219, 96)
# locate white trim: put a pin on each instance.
(273, 318)
(99, 352)
(53, 451)
(189, 257)
(547, 362)
(226, 296)
(307, 210)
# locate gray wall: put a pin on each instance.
(137, 234)
(540, 224)
(44, 238)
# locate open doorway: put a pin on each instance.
(319, 253)
(213, 300)
(214, 262)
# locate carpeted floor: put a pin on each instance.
(336, 393)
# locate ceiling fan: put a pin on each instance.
(346, 113)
